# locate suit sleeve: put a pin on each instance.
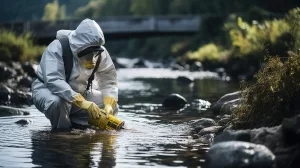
(107, 76)
(53, 72)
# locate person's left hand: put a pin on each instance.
(109, 104)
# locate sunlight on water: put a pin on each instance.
(152, 136)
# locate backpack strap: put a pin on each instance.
(67, 56)
(91, 78)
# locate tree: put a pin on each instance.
(53, 12)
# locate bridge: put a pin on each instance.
(115, 27)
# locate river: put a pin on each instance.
(152, 137)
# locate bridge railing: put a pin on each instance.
(112, 25)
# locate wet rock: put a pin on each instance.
(10, 111)
(209, 130)
(230, 135)
(221, 72)
(4, 94)
(174, 102)
(17, 67)
(227, 103)
(239, 155)
(206, 139)
(140, 63)
(177, 67)
(196, 66)
(271, 137)
(21, 98)
(23, 122)
(224, 121)
(199, 124)
(6, 72)
(28, 68)
(291, 130)
(185, 80)
(25, 81)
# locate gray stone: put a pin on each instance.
(28, 68)
(209, 130)
(196, 66)
(291, 129)
(230, 135)
(235, 154)
(23, 122)
(174, 102)
(199, 124)
(177, 67)
(227, 103)
(224, 121)
(206, 139)
(21, 98)
(25, 81)
(140, 63)
(184, 80)
(10, 111)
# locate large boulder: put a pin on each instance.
(174, 102)
(230, 135)
(291, 130)
(10, 111)
(235, 154)
(227, 103)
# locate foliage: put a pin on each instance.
(275, 94)
(272, 97)
(208, 52)
(18, 48)
(293, 19)
(53, 12)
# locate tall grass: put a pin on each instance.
(18, 47)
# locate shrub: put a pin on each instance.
(273, 96)
(18, 48)
(208, 52)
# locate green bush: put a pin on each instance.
(273, 96)
(18, 48)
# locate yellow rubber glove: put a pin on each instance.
(109, 104)
(90, 107)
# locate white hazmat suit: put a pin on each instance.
(54, 96)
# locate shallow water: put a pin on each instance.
(152, 137)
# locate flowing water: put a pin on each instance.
(153, 136)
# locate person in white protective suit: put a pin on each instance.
(58, 99)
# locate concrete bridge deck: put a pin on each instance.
(115, 27)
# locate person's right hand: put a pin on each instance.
(93, 110)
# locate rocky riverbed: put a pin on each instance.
(263, 147)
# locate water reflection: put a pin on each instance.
(75, 149)
(154, 136)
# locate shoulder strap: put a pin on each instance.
(91, 78)
(67, 56)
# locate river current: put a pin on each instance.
(153, 137)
